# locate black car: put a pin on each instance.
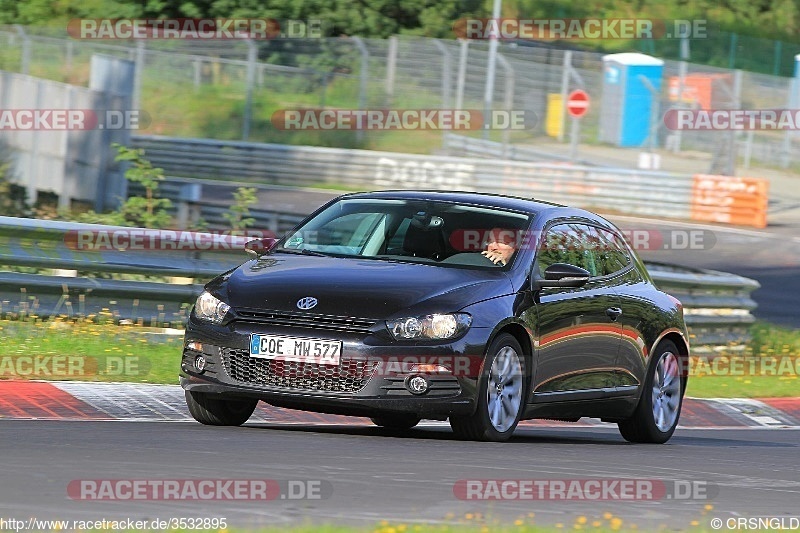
(408, 305)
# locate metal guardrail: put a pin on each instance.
(638, 192)
(470, 146)
(717, 305)
(188, 204)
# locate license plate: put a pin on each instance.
(299, 349)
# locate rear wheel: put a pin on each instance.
(501, 392)
(659, 409)
(396, 421)
(213, 411)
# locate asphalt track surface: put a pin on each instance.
(374, 475)
(771, 256)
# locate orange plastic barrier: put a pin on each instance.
(698, 89)
(730, 200)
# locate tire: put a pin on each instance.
(501, 398)
(217, 412)
(656, 416)
(396, 422)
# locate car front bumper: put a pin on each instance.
(370, 379)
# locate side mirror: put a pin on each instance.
(258, 247)
(562, 275)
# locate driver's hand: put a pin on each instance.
(494, 257)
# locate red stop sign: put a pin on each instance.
(577, 103)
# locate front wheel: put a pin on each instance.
(659, 409)
(212, 411)
(501, 392)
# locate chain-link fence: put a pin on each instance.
(230, 89)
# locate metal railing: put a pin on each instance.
(717, 305)
(638, 192)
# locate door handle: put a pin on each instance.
(614, 313)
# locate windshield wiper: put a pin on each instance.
(304, 251)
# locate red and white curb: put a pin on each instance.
(77, 400)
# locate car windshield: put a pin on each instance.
(422, 231)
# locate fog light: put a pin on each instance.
(417, 384)
(200, 363)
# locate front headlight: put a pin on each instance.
(444, 326)
(210, 308)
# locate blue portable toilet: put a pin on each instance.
(627, 101)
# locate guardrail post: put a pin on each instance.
(188, 196)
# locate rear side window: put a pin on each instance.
(614, 255)
(573, 244)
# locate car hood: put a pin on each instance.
(364, 288)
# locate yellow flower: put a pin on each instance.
(616, 523)
(607, 515)
(518, 522)
(708, 507)
(581, 520)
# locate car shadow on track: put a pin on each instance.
(444, 434)
(591, 436)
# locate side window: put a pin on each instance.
(574, 244)
(614, 254)
(348, 230)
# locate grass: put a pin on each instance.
(94, 349)
(476, 522)
(743, 387)
(62, 349)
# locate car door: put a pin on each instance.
(638, 310)
(578, 335)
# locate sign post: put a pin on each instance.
(577, 106)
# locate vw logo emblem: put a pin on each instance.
(309, 302)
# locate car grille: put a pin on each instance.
(349, 376)
(307, 320)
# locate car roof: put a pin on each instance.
(540, 208)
